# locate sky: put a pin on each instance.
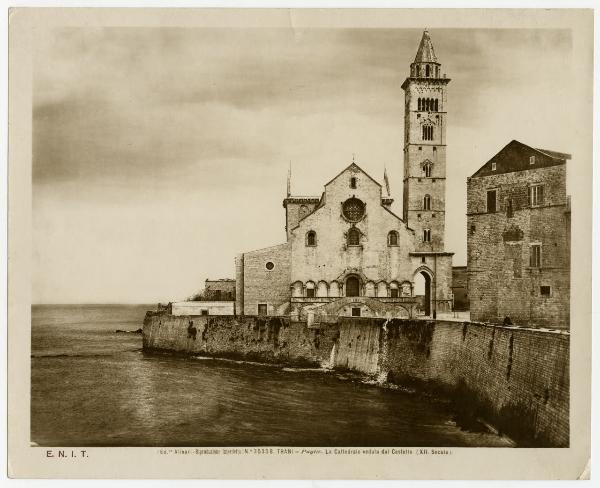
(161, 153)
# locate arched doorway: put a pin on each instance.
(352, 286)
(423, 290)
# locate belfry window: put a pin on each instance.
(426, 235)
(427, 71)
(353, 182)
(428, 133)
(427, 169)
(435, 106)
(353, 238)
(427, 202)
(311, 238)
(392, 238)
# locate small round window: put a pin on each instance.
(353, 209)
(269, 265)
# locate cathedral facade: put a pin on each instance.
(347, 252)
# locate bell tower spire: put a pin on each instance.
(424, 198)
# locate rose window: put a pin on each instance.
(353, 209)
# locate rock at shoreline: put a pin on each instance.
(119, 331)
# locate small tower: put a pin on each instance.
(424, 202)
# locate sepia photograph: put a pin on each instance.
(331, 238)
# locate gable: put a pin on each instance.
(352, 168)
(515, 156)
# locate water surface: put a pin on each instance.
(94, 387)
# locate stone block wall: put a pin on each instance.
(501, 281)
(263, 339)
(260, 285)
(517, 379)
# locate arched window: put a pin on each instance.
(427, 71)
(311, 238)
(427, 104)
(427, 132)
(322, 289)
(334, 289)
(370, 289)
(394, 290)
(435, 105)
(353, 237)
(392, 238)
(353, 182)
(419, 104)
(297, 289)
(310, 289)
(427, 170)
(406, 289)
(352, 286)
(427, 202)
(426, 235)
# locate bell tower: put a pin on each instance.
(424, 198)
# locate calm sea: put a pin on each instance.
(94, 387)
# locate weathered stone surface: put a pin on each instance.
(516, 378)
(501, 281)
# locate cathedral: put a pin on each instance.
(347, 253)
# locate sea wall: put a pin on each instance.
(264, 339)
(517, 379)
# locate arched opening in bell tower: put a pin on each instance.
(422, 291)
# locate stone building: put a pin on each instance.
(217, 298)
(347, 252)
(460, 288)
(222, 289)
(518, 238)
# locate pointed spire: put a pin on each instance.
(386, 181)
(425, 53)
(289, 180)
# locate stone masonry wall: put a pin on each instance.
(263, 339)
(263, 285)
(501, 281)
(518, 379)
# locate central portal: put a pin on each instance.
(352, 286)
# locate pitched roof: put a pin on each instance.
(425, 53)
(554, 154)
(353, 166)
(515, 156)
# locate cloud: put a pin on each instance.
(192, 130)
